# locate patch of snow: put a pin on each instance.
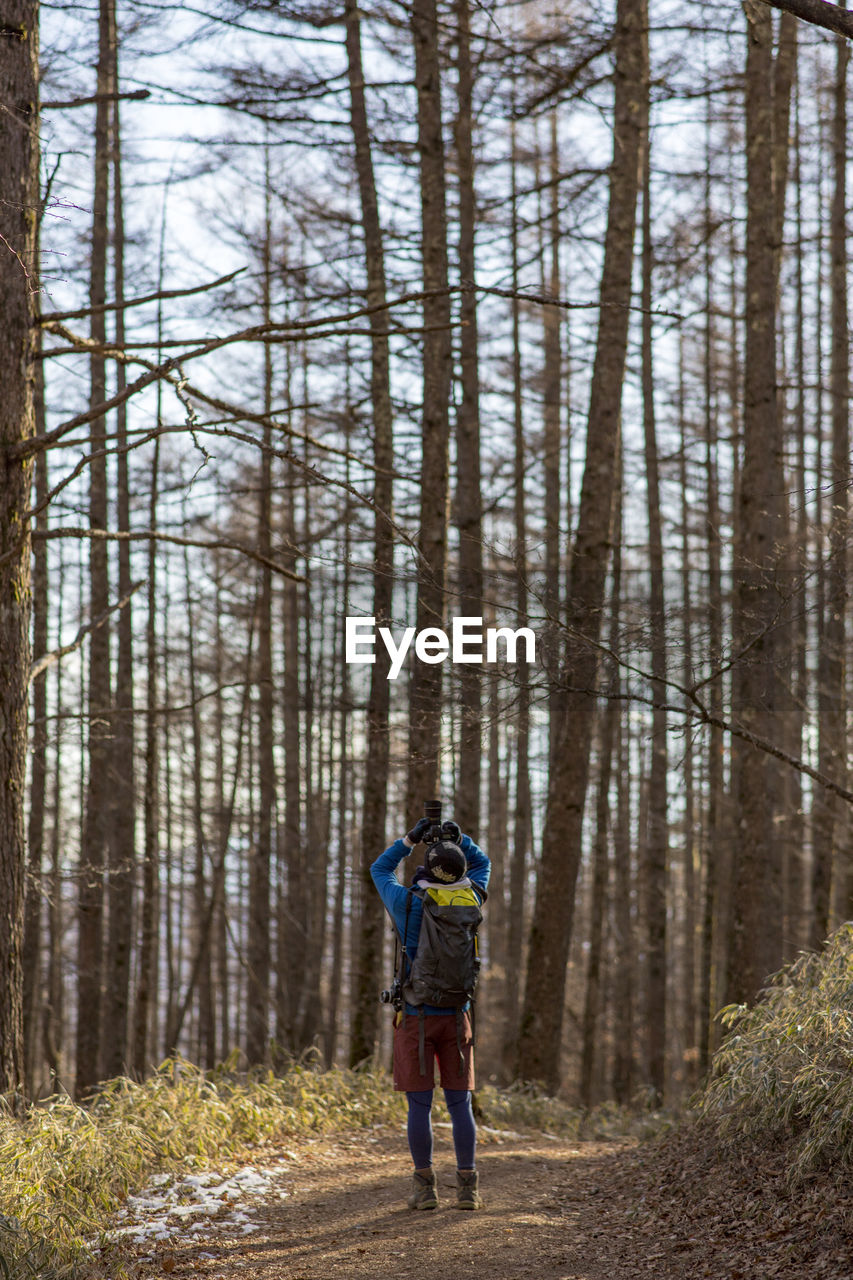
(164, 1208)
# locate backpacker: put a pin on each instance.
(446, 967)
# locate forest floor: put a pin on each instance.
(554, 1210)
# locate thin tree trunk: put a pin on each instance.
(497, 831)
(32, 983)
(336, 978)
(146, 987)
(316, 807)
(832, 753)
(54, 1010)
(551, 321)
(656, 843)
(624, 958)
(257, 1023)
(292, 924)
(711, 985)
(96, 830)
(206, 1017)
(692, 869)
(220, 926)
(122, 847)
(796, 883)
(521, 813)
(550, 938)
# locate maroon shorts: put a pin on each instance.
(439, 1043)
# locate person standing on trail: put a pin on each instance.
(437, 918)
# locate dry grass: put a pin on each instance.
(65, 1169)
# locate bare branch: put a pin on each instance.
(133, 95)
(50, 316)
(50, 658)
(819, 13)
(142, 535)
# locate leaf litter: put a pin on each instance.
(676, 1208)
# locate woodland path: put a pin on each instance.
(555, 1210)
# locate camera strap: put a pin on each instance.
(404, 954)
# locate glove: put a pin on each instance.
(452, 830)
(418, 831)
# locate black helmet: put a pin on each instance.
(446, 862)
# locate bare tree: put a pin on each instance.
(550, 936)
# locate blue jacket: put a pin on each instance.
(396, 897)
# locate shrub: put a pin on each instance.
(785, 1069)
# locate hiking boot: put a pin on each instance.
(467, 1194)
(423, 1191)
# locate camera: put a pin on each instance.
(432, 811)
(393, 995)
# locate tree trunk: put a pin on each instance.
(257, 1011)
(521, 813)
(53, 1027)
(690, 857)
(32, 969)
(656, 842)
(711, 984)
(469, 516)
(368, 950)
(624, 958)
(146, 986)
(756, 920)
(122, 847)
(832, 667)
(96, 828)
(796, 883)
(19, 199)
(551, 321)
(425, 685)
(541, 1029)
(590, 1050)
(292, 924)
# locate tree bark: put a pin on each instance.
(756, 920)
(96, 828)
(542, 1019)
(590, 1050)
(831, 889)
(122, 847)
(146, 986)
(469, 516)
(425, 685)
(624, 958)
(34, 894)
(19, 201)
(656, 835)
(368, 949)
(257, 1011)
(551, 373)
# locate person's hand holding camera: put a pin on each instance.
(417, 833)
(452, 831)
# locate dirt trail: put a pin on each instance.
(554, 1211)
